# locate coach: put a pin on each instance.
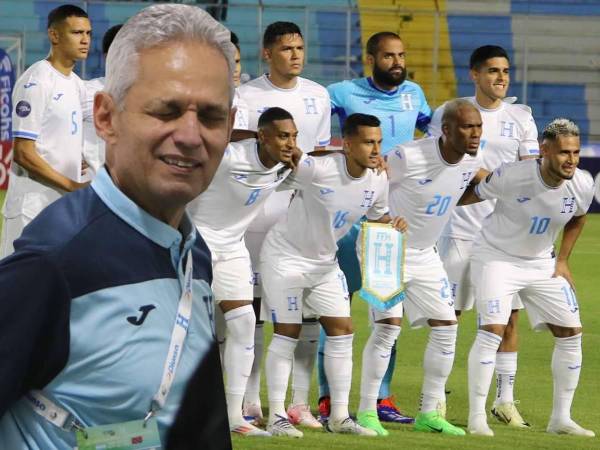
(105, 306)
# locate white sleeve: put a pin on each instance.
(529, 145)
(493, 185)
(380, 207)
(241, 115)
(324, 130)
(30, 99)
(87, 102)
(435, 126)
(397, 165)
(588, 189)
(302, 176)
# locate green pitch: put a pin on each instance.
(533, 384)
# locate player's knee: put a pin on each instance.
(396, 321)
(497, 329)
(337, 326)
(240, 323)
(290, 330)
(563, 332)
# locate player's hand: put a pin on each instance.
(399, 224)
(382, 165)
(562, 270)
(296, 155)
(84, 166)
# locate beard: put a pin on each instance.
(387, 78)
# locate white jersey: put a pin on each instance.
(308, 103)
(236, 194)
(241, 115)
(509, 133)
(328, 201)
(529, 214)
(48, 111)
(424, 188)
(93, 145)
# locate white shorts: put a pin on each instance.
(254, 241)
(291, 295)
(456, 256)
(547, 300)
(428, 294)
(232, 274)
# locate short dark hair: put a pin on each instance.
(235, 40)
(278, 29)
(57, 15)
(373, 42)
(109, 36)
(482, 54)
(353, 121)
(272, 114)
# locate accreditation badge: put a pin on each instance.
(134, 435)
(381, 265)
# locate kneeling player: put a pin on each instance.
(300, 272)
(249, 172)
(514, 254)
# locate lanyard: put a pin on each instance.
(63, 419)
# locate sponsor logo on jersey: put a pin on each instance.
(523, 199)
(30, 84)
(369, 100)
(424, 181)
(23, 108)
(58, 96)
(137, 321)
(326, 191)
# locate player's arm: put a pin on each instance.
(570, 235)
(26, 155)
(470, 196)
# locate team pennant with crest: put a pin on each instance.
(381, 265)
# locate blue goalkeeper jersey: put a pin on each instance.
(400, 111)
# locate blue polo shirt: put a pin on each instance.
(87, 306)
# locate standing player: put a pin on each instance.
(249, 172)
(509, 134)
(427, 178)
(93, 145)
(300, 273)
(47, 125)
(401, 107)
(514, 254)
(309, 104)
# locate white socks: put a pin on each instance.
(238, 357)
(304, 362)
(506, 370)
(277, 369)
(437, 365)
(338, 369)
(566, 366)
(376, 357)
(253, 386)
(482, 359)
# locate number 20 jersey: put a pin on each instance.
(424, 188)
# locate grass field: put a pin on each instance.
(533, 385)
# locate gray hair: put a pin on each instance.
(452, 107)
(157, 25)
(560, 127)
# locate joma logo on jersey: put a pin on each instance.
(568, 205)
(137, 321)
(310, 105)
(507, 129)
(368, 198)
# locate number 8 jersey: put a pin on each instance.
(529, 214)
